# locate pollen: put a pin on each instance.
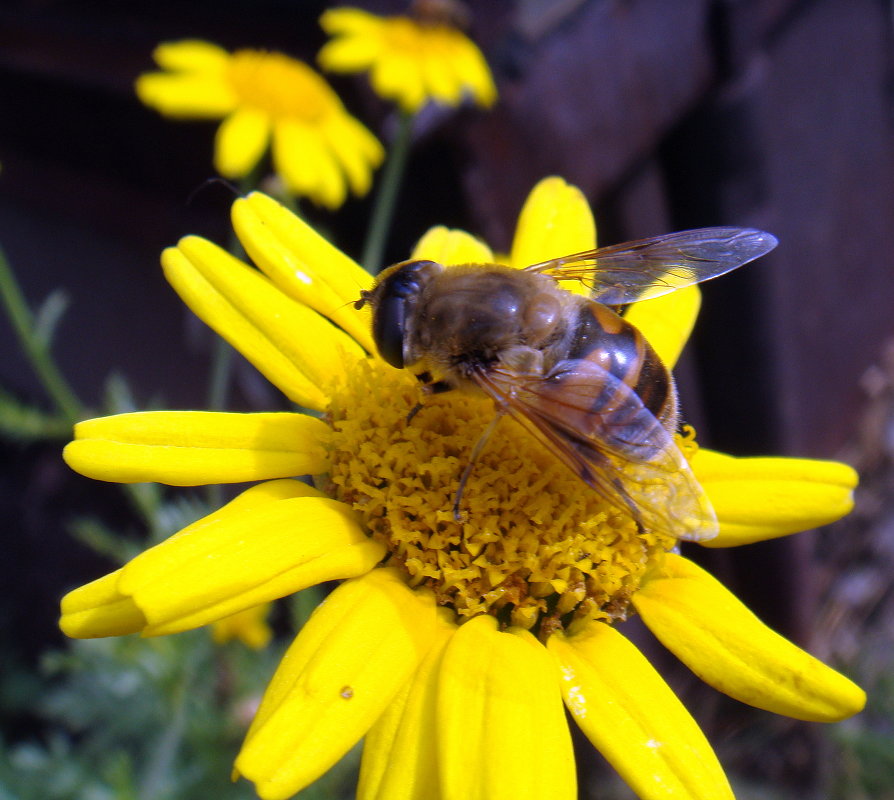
(534, 547)
(279, 86)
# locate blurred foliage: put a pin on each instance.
(864, 767)
(132, 718)
(139, 719)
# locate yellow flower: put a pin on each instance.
(410, 60)
(444, 635)
(249, 627)
(319, 150)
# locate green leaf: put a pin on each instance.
(47, 317)
(20, 422)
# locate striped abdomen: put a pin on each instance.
(605, 338)
(610, 386)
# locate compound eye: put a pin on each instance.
(388, 329)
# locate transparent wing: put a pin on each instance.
(647, 268)
(599, 428)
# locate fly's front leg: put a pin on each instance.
(429, 387)
(467, 472)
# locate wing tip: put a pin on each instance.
(759, 242)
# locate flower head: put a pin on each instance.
(411, 60)
(444, 634)
(319, 150)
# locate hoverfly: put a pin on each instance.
(583, 381)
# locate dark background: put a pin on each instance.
(768, 113)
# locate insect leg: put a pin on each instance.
(413, 412)
(438, 387)
(631, 506)
(476, 452)
(593, 456)
(430, 386)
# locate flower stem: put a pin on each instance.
(36, 349)
(221, 370)
(386, 196)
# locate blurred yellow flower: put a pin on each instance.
(266, 98)
(450, 646)
(411, 60)
(249, 627)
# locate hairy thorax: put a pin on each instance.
(469, 319)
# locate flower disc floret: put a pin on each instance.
(279, 85)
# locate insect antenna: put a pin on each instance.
(205, 184)
(476, 451)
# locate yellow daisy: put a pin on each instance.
(411, 60)
(248, 626)
(444, 636)
(319, 150)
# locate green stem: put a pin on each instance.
(36, 350)
(221, 371)
(386, 196)
(145, 499)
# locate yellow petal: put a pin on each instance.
(306, 165)
(337, 21)
(667, 321)
(555, 221)
(349, 54)
(303, 264)
(501, 730)
(723, 643)
(224, 564)
(191, 55)
(288, 342)
(240, 142)
(396, 77)
(186, 96)
(191, 448)
(451, 247)
(355, 149)
(267, 492)
(99, 609)
(409, 62)
(764, 498)
(221, 315)
(321, 351)
(633, 718)
(439, 75)
(399, 752)
(357, 650)
(475, 74)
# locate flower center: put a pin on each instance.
(417, 40)
(535, 546)
(279, 85)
